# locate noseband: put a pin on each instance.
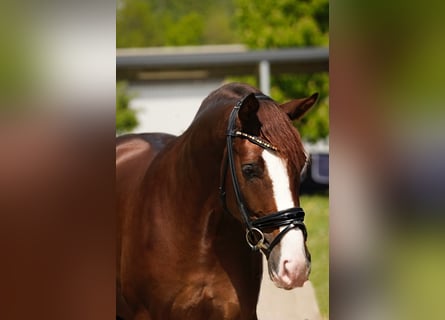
(291, 218)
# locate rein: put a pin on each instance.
(291, 218)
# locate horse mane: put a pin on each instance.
(227, 94)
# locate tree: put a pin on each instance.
(135, 24)
(148, 23)
(290, 23)
(125, 117)
(258, 24)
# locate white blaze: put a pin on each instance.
(292, 245)
(280, 180)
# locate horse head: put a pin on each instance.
(261, 178)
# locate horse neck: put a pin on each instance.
(200, 157)
(208, 152)
(199, 160)
(194, 163)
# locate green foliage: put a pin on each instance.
(190, 28)
(315, 124)
(148, 23)
(290, 23)
(125, 117)
(282, 23)
(135, 24)
(20, 59)
(258, 24)
(219, 27)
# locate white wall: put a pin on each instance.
(169, 107)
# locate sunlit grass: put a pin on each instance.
(415, 283)
(317, 222)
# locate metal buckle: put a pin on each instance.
(249, 239)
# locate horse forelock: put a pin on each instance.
(280, 132)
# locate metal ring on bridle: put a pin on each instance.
(249, 237)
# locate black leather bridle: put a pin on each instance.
(291, 218)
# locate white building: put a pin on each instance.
(170, 83)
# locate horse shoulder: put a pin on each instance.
(134, 154)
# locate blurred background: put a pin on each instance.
(387, 204)
(386, 157)
(171, 54)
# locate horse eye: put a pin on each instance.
(251, 170)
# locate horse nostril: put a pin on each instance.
(286, 266)
(291, 267)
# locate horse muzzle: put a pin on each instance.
(289, 263)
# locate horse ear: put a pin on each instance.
(297, 108)
(248, 115)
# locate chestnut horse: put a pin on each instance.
(196, 211)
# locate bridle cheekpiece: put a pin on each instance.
(291, 218)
